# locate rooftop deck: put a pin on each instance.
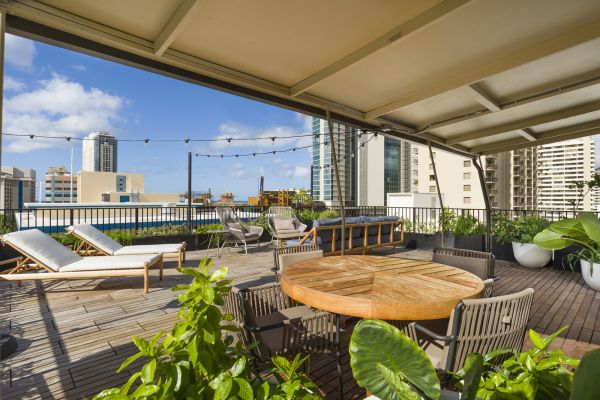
(74, 335)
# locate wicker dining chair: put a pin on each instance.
(477, 325)
(284, 256)
(476, 262)
(284, 218)
(280, 326)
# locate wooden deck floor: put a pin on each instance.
(74, 335)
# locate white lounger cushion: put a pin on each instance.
(94, 236)
(42, 248)
(111, 263)
(149, 249)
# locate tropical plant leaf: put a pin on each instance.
(550, 240)
(590, 225)
(473, 369)
(586, 384)
(537, 340)
(403, 390)
(377, 342)
(569, 227)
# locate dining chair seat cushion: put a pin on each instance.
(111, 263)
(96, 237)
(476, 266)
(285, 314)
(149, 249)
(284, 224)
(42, 247)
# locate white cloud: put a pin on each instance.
(278, 160)
(13, 84)
(238, 171)
(58, 107)
(79, 67)
(300, 171)
(20, 52)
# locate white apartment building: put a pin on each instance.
(510, 179)
(17, 187)
(100, 152)
(558, 165)
(60, 186)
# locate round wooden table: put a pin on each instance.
(377, 287)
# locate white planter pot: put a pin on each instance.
(592, 278)
(531, 256)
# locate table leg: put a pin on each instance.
(338, 356)
(209, 243)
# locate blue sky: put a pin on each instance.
(52, 91)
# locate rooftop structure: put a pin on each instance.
(60, 186)
(17, 187)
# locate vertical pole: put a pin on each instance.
(488, 208)
(437, 185)
(338, 183)
(189, 205)
(71, 177)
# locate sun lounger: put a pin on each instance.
(42, 253)
(96, 243)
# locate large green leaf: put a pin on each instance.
(550, 240)
(569, 227)
(473, 370)
(590, 225)
(586, 385)
(377, 342)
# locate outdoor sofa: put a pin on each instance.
(95, 243)
(362, 233)
(45, 258)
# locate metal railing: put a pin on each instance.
(54, 219)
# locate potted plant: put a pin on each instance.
(583, 230)
(520, 234)
(468, 233)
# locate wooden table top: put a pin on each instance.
(378, 287)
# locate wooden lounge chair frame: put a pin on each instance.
(85, 248)
(381, 240)
(29, 263)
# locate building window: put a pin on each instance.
(432, 188)
(467, 163)
(467, 175)
(467, 200)
(432, 177)
(467, 188)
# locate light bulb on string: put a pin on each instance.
(186, 141)
(146, 141)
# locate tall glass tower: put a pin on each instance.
(100, 152)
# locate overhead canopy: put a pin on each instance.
(474, 77)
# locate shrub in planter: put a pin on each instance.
(520, 233)
(392, 366)
(197, 360)
(469, 233)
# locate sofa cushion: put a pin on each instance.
(284, 225)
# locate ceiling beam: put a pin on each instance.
(485, 68)
(570, 132)
(177, 22)
(492, 105)
(400, 32)
(526, 123)
(557, 89)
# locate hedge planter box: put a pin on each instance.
(428, 241)
(471, 242)
(502, 251)
(193, 242)
(531, 256)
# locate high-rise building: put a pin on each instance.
(371, 166)
(510, 179)
(100, 152)
(59, 183)
(559, 164)
(385, 165)
(323, 183)
(17, 187)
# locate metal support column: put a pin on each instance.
(338, 182)
(189, 199)
(488, 208)
(437, 185)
